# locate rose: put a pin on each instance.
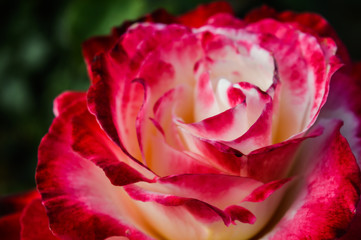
(203, 126)
(194, 179)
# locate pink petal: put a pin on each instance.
(264, 164)
(115, 107)
(202, 211)
(216, 189)
(305, 68)
(275, 161)
(208, 199)
(175, 103)
(232, 55)
(220, 156)
(206, 105)
(169, 161)
(343, 102)
(258, 135)
(227, 125)
(264, 191)
(307, 22)
(98, 45)
(326, 199)
(80, 201)
(118, 167)
(116, 100)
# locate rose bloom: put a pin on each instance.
(202, 126)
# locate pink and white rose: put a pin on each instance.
(205, 126)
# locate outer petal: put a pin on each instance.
(307, 22)
(35, 223)
(200, 15)
(101, 44)
(326, 199)
(344, 103)
(81, 202)
(93, 47)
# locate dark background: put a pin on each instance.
(40, 57)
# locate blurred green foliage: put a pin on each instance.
(40, 57)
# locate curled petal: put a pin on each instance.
(119, 168)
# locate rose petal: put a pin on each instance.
(77, 195)
(227, 125)
(118, 167)
(307, 22)
(343, 102)
(299, 56)
(35, 223)
(227, 161)
(232, 56)
(202, 13)
(263, 192)
(199, 195)
(259, 133)
(151, 132)
(275, 161)
(114, 107)
(329, 193)
(264, 164)
(97, 45)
